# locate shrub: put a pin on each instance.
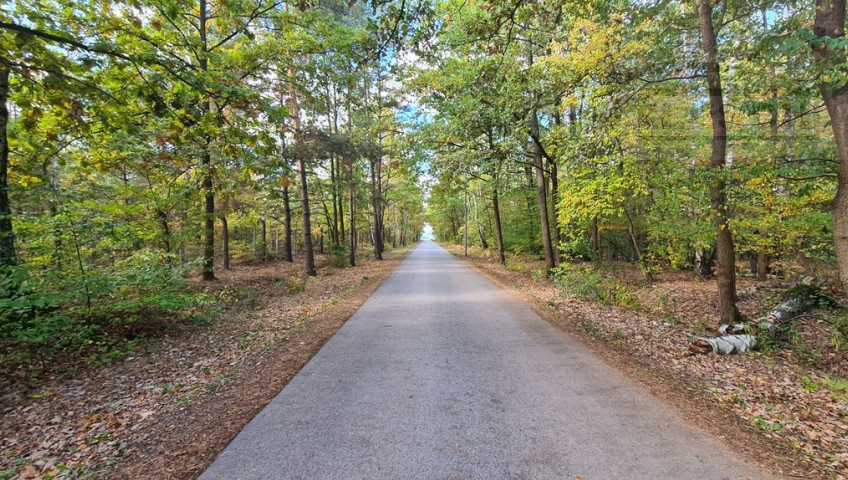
(339, 255)
(586, 283)
(43, 315)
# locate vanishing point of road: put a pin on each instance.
(443, 375)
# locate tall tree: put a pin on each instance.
(829, 50)
(8, 256)
(725, 254)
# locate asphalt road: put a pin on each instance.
(442, 375)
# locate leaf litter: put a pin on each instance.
(133, 418)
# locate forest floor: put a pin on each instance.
(784, 407)
(169, 407)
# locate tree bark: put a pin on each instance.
(465, 218)
(334, 222)
(541, 192)
(725, 255)
(498, 228)
(339, 198)
(376, 205)
(830, 23)
(554, 209)
(595, 240)
(208, 185)
(351, 209)
(528, 197)
(225, 237)
(304, 187)
(8, 256)
(263, 252)
(762, 264)
(351, 187)
(287, 226)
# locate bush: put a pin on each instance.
(339, 255)
(43, 315)
(586, 283)
(32, 322)
(136, 287)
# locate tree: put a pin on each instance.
(829, 30)
(8, 256)
(725, 254)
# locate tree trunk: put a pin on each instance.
(339, 199)
(304, 187)
(762, 264)
(465, 218)
(376, 205)
(725, 255)
(351, 210)
(554, 209)
(595, 240)
(498, 227)
(225, 237)
(287, 226)
(830, 23)
(351, 187)
(263, 252)
(208, 190)
(330, 227)
(542, 193)
(334, 226)
(480, 233)
(704, 260)
(307, 221)
(162, 216)
(8, 256)
(209, 224)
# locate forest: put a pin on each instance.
(702, 136)
(151, 151)
(145, 143)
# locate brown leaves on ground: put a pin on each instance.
(791, 396)
(168, 410)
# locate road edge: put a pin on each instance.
(193, 450)
(694, 407)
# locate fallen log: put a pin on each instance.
(796, 301)
(741, 337)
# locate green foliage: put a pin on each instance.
(129, 122)
(32, 321)
(768, 425)
(339, 255)
(42, 316)
(586, 283)
(294, 284)
(838, 388)
(810, 385)
(839, 331)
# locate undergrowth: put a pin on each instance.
(587, 283)
(99, 314)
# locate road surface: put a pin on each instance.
(442, 375)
